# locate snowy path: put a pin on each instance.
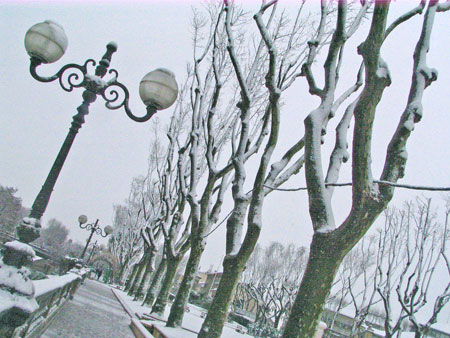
(93, 313)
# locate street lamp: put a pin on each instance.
(46, 42)
(93, 228)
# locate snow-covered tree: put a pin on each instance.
(11, 210)
(331, 241)
(412, 256)
(270, 281)
(336, 26)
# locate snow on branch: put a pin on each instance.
(340, 154)
(423, 76)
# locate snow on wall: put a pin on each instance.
(16, 279)
(9, 300)
(21, 247)
(43, 286)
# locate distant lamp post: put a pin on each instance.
(93, 249)
(93, 228)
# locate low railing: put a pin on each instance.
(50, 295)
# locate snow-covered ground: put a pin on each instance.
(192, 321)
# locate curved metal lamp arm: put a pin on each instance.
(113, 92)
(114, 100)
(100, 232)
(85, 226)
(75, 78)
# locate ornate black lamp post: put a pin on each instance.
(93, 228)
(46, 42)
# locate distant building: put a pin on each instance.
(211, 284)
(199, 282)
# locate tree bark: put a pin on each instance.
(161, 302)
(177, 310)
(123, 270)
(131, 277)
(138, 278)
(143, 284)
(325, 257)
(154, 286)
(218, 312)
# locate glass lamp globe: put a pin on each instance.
(82, 219)
(47, 41)
(159, 89)
(108, 230)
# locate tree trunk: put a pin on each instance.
(177, 310)
(143, 284)
(325, 257)
(218, 312)
(161, 301)
(276, 324)
(137, 279)
(131, 278)
(154, 286)
(122, 271)
(119, 277)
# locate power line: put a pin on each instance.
(397, 185)
(218, 225)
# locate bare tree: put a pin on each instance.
(125, 242)
(278, 69)
(369, 198)
(214, 119)
(175, 229)
(355, 285)
(270, 281)
(412, 245)
(11, 209)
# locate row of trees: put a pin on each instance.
(270, 281)
(227, 120)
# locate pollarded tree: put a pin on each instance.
(214, 123)
(331, 242)
(126, 243)
(286, 53)
(151, 207)
(175, 229)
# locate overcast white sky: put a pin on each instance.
(111, 149)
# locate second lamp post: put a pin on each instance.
(93, 228)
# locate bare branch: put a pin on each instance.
(422, 77)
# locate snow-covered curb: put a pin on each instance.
(191, 323)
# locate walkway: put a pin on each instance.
(93, 313)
